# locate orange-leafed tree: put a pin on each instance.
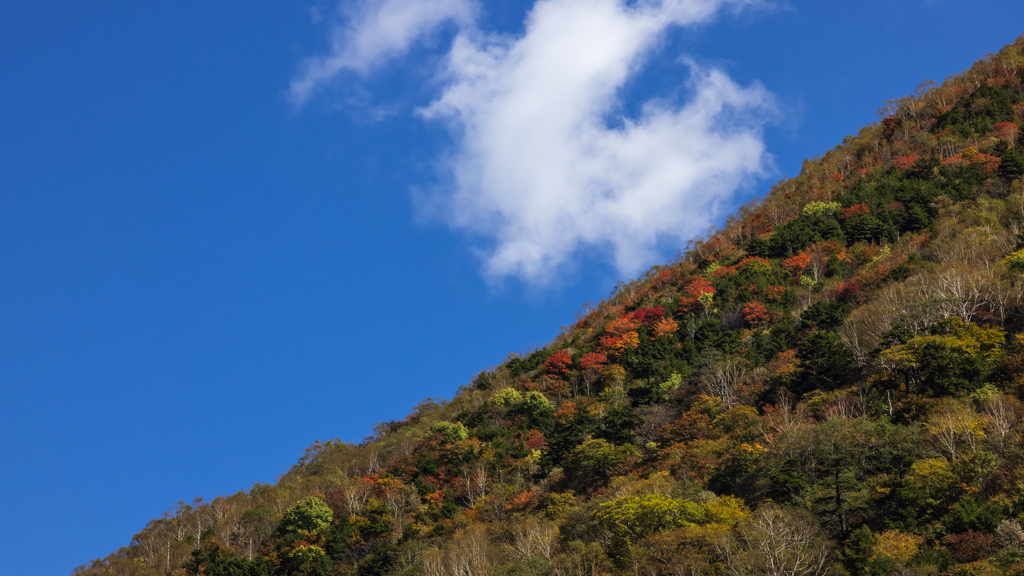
(856, 210)
(797, 264)
(622, 325)
(616, 345)
(697, 295)
(665, 327)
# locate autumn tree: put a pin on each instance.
(591, 365)
(558, 364)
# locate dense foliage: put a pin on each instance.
(831, 383)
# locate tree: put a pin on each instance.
(594, 461)
(632, 518)
(698, 297)
(780, 542)
(558, 364)
(953, 358)
(843, 451)
(723, 379)
(221, 562)
(1002, 420)
(1012, 165)
(797, 264)
(899, 546)
(955, 429)
(591, 365)
(532, 537)
(311, 515)
(648, 316)
(451, 432)
(468, 553)
(664, 327)
(256, 524)
(538, 408)
(1010, 535)
(857, 553)
(756, 314)
(825, 361)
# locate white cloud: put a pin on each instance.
(372, 33)
(547, 164)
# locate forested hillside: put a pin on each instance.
(830, 383)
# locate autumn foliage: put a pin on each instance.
(797, 264)
(856, 210)
(756, 314)
(697, 288)
(558, 364)
(592, 360)
(648, 316)
(830, 383)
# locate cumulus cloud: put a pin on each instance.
(373, 32)
(546, 162)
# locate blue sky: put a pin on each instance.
(230, 229)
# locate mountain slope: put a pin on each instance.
(832, 382)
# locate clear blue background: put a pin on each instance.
(196, 282)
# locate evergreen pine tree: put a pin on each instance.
(1013, 162)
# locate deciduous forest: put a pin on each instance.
(832, 382)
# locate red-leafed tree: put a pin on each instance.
(849, 291)
(558, 364)
(1006, 131)
(534, 440)
(904, 162)
(755, 314)
(591, 365)
(648, 316)
(593, 360)
(617, 344)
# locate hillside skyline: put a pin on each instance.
(829, 384)
(160, 309)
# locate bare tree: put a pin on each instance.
(778, 542)
(475, 481)
(850, 334)
(151, 542)
(955, 428)
(532, 537)
(1002, 418)
(201, 514)
(356, 495)
(469, 553)
(723, 378)
(783, 416)
(177, 520)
